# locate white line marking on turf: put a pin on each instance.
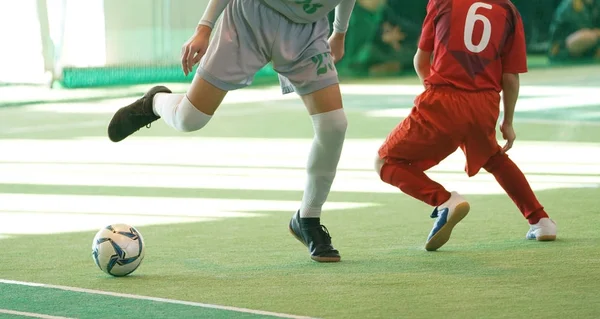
(31, 314)
(52, 127)
(264, 164)
(227, 178)
(234, 98)
(526, 90)
(155, 299)
(227, 164)
(110, 106)
(70, 213)
(523, 105)
(555, 96)
(562, 123)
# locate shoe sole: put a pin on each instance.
(546, 238)
(315, 258)
(443, 235)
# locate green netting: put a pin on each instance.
(131, 75)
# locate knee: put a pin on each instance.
(581, 41)
(187, 126)
(331, 125)
(341, 126)
(189, 118)
(495, 161)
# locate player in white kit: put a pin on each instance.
(293, 35)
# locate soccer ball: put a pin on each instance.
(118, 249)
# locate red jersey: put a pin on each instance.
(473, 43)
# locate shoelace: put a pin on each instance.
(325, 230)
(138, 115)
(324, 234)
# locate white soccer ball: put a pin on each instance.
(118, 249)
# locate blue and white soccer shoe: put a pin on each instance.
(446, 217)
(544, 230)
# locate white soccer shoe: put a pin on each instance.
(544, 230)
(447, 216)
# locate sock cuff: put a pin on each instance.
(335, 114)
(332, 120)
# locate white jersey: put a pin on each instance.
(303, 11)
(298, 11)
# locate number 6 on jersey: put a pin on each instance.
(472, 18)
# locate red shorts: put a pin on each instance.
(444, 119)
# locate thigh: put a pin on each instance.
(302, 58)
(236, 50)
(205, 96)
(323, 100)
(418, 141)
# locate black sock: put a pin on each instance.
(310, 222)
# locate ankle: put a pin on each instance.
(310, 222)
(535, 217)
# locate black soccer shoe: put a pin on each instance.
(131, 118)
(316, 238)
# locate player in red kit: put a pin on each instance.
(478, 49)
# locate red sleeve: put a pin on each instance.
(428, 32)
(514, 54)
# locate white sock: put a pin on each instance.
(178, 112)
(330, 132)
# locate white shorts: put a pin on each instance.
(251, 34)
